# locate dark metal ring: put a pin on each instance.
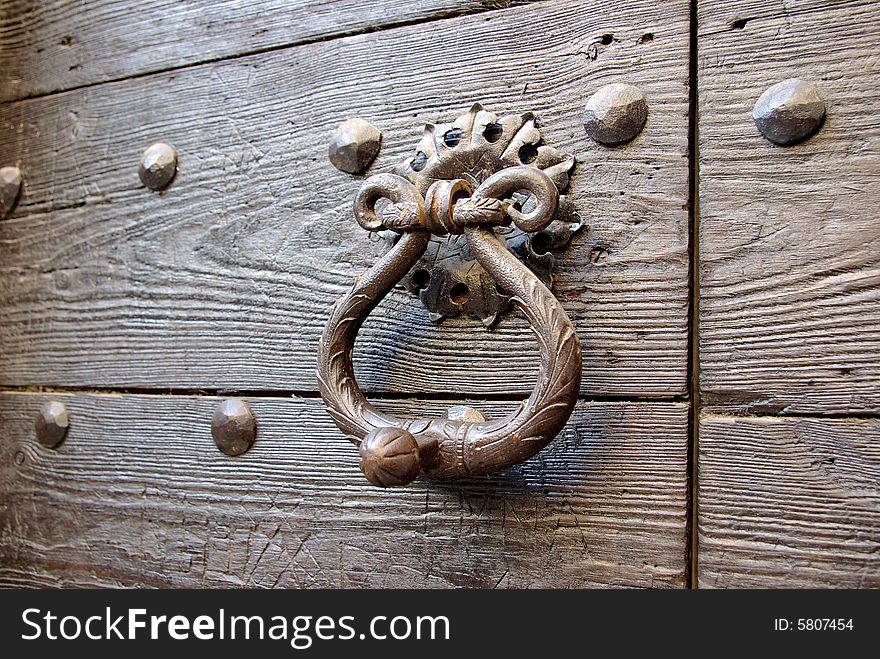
(394, 451)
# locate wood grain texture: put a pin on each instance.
(138, 495)
(226, 279)
(789, 237)
(789, 503)
(49, 47)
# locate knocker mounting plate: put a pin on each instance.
(467, 181)
(448, 279)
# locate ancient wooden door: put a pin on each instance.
(724, 289)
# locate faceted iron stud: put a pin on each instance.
(354, 145)
(52, 424)
(10, 187)
(615, 114)
(158, 166)
(390, 457)
(789, 112)
(233, 426)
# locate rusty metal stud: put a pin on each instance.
(615, 114)
(10, 188)
(354, 145)
(158, 166)
(52, 424)
(233, 426)
(789, 112)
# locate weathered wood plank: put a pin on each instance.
(226, 279)
(138, 495)
(789, 237)
(789, 502)
(48, 47)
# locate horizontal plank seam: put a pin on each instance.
(441, 15)
(36, 211)
(714, 412)
(289, 393)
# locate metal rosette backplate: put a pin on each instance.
(448, 279)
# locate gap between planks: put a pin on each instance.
(440, 16)
(441, 396)
(692, 535)
(712, 411)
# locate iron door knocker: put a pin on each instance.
(463, 180)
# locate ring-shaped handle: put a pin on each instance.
(394, 451)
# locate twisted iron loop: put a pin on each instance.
(394, 451)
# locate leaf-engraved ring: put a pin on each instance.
(394, 451)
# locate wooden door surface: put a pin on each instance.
(724, 291)
(789, 440)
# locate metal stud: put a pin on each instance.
(354, 145)
(52, 424)
(10, 188)
(233, 426)
(789, 112)
(615, 114)
(158, 166)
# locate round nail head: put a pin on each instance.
(52, 424)
(354, 145)
(233, 426)
(615, 114)
(10, 187)
(158, 166)
(789, 112)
